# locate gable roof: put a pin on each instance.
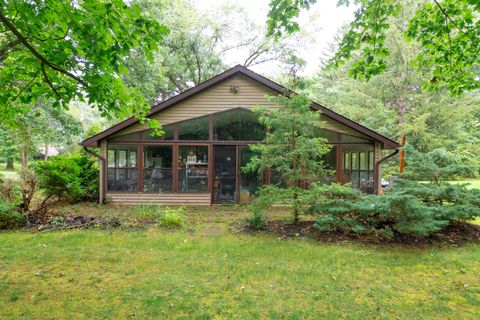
(239, 70)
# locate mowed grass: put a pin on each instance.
(157, 274)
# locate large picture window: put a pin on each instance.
(157, 168)
(237, 125)
(195, 129)
(168, 134)
(122, 168)
(193, 169)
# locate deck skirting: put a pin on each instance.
(198, 199)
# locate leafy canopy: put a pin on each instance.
(448, 32)
(68, 50)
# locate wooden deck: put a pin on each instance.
(197, 199)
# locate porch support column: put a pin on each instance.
(339, 159)
(102, 192)
(377, 172)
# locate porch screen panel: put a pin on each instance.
(193, 169)
(249, 181)
(358, 167)
(157, 168)
(122, 168)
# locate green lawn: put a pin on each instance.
(158, 274)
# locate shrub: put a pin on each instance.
(10, 217)
(72, 178)
(411, 207)
(172, 218)
(257, 220)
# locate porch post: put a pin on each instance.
(339, 159)
(377, 172)
(103, 165)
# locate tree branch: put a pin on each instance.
(47, 79)
(450, 19)
(30, 47)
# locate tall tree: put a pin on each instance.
(43, 125)
(68, 50)
(448, 32)
(292, 146)
(8, 150)
(198, 45)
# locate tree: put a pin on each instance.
(66, 50)
(199, 45)
(292, 147)
(43, 124)
(448, 32)
(8, 150)
(394, 102)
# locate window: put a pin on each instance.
(193, 169)
(353, 139)
(126, 137)
(237, 125)
(168, 135)
(358, 168)
(195, 129)
(157, 168)
(331, 136)
(122, 168)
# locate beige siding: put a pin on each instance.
(221, 98)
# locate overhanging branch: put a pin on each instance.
(37, 55)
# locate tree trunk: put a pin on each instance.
(24, 158)
(45, 157)
(9, 164)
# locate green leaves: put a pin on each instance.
(73, 50)
(282, 14)
(448, 32)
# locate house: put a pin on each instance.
(207, 132)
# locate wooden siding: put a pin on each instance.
(199, 199)
(221, 98)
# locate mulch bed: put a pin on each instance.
(457, 234)
(50, 223)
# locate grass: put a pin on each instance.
(155, 273)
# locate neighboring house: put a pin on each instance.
(207, 132)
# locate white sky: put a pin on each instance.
(321, 22)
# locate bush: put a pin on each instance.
(72, 178)
(10, 217)
(172, 218)
(257, 220)
(411, 207)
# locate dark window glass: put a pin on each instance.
(157, 168)
(122, 168)
(126, 137)
(237, 125)
(168, 135)
(195, 129)
(349, 138)
(193, 169)
(331, 136)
